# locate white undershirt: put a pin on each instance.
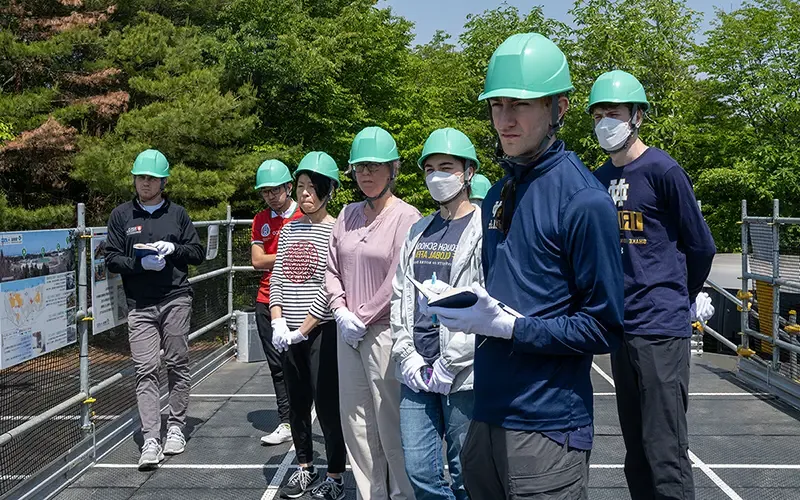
(152, 208)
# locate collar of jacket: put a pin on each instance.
(526, 172)
(162, 208)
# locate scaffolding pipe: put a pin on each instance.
(744, 318)
(81, 316)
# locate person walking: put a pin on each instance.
(159, 298)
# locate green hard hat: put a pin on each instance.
(151, 162)
(527, 66)
(451, 142)
(321, 163)
(617, 87)
(479, 186)
(373, 144)
(272, 173)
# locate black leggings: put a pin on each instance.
(312, 377)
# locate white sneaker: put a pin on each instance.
(152, 454)
(176, 443)
(281, 434)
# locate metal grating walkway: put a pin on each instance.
(744, 445)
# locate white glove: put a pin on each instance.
(279, 331)
(486, 317)
(282, 341)
(164, 247)
(411, 368)
(153, 263)
(352, 328)
(702, 309)
(442, 378)
(438, 288)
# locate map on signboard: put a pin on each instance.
(23, 305)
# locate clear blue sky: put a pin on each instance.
(33, 241)
(450, 15)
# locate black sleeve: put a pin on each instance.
(188, 249)
(117, 260)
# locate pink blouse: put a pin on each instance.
(362, 260)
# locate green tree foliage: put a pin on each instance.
(752, 58)
(221, 85)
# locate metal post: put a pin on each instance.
(83, 325)
(230, 273)
(744, 318)
(776, 290)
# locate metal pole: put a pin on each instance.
(83, 324)
(230, 267)
(776, 290)
(744, 319)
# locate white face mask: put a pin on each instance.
(444, 186)
(612, 133)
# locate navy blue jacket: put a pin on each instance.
(667, 248)
(560, 267)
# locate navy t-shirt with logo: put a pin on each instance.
(667, 248)
(434, 254)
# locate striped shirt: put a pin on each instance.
(298, 278)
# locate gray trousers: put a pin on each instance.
(652, 378)
(149, 329)
(501, 463)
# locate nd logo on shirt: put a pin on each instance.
(629, 220)
(618, 189)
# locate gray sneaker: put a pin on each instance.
(152, 455)
(281, 434)
(176, 443)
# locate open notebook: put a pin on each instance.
(144, 249)
(460, 297)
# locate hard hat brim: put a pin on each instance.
(373, 159)
(521, 94)
(646, 105)
(150, 173)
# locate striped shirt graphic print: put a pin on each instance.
(298, 278)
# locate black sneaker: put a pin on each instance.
(330, 489)
(299, 483)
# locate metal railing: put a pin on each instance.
(769, 295)
(42, 421)
(767, 300)
(105, 385)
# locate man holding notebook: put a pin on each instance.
(554, 290)
(151, 243)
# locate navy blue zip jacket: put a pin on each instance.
(560, 267)
(129, 223)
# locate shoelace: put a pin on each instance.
(176, 434)
(150, 445)
(301, 476)
(326, 486)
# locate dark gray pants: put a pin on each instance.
(651, 374)
(274, 360)
(149, 329)
(501, 463)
